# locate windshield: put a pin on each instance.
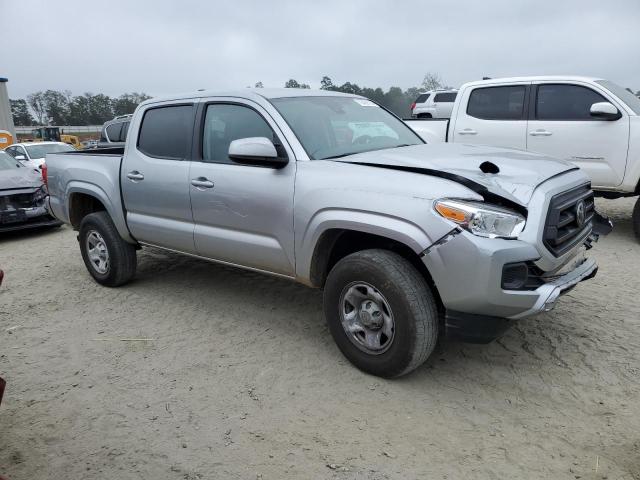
(40, 151)
(331, 127)
(7, 162)
(623, 94)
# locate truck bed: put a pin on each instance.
(74, 175)
(97, 151)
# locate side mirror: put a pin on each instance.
(22, 158)
(605, 111)
(259, 151)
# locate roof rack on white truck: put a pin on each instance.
(590, 122)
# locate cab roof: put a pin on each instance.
(535, 78)
(252, 93)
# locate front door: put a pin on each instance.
(155, 178)
(561, 126)
(242, 214)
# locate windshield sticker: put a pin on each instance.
(364, 103)
(372, 129)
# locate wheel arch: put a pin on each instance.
(83, 199)
(336, 243)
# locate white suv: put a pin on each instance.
(434, 104)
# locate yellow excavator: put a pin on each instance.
(54, 134)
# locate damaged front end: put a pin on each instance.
(486, 284)
(24, 208)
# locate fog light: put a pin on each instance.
(514, 276)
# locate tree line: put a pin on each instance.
(395, 98)
(52, 107)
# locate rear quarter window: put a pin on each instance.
(423, 98)
(165, 132)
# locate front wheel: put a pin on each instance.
(635, 218)
(381, 312)
(110, 260)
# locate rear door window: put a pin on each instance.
(565, 102)
(165, 132)
(445, 97)
(497, 103)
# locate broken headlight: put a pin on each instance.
(482, 219)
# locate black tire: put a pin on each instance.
(635, 218)
(122, 255)
(410, 299)
(424, 115)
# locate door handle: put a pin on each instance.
(540, 133)
(135, 176)
(467, 131)
(201, 183)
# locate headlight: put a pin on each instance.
(482, 219)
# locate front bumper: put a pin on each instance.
(467, 271)
(549, 292)
(25, 218)
(473, 328)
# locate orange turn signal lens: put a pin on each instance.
(451, 213)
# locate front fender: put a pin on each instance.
(394, 228)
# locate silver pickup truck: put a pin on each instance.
(407, 240)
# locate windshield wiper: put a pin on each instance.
(339, 156)
(373, 150)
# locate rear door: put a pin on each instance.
(243, 214)
(492, 115)
(561, 126)
(155, 176)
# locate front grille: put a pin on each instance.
(569, 219)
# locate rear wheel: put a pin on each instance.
(109, 259)
(381, 312)
(636, 218)
(424, 115)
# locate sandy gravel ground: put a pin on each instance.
(241, 379)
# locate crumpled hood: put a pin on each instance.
(19, 178)
(520, 172)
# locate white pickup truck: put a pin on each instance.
(590, 122)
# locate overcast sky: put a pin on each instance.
(162, 46)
